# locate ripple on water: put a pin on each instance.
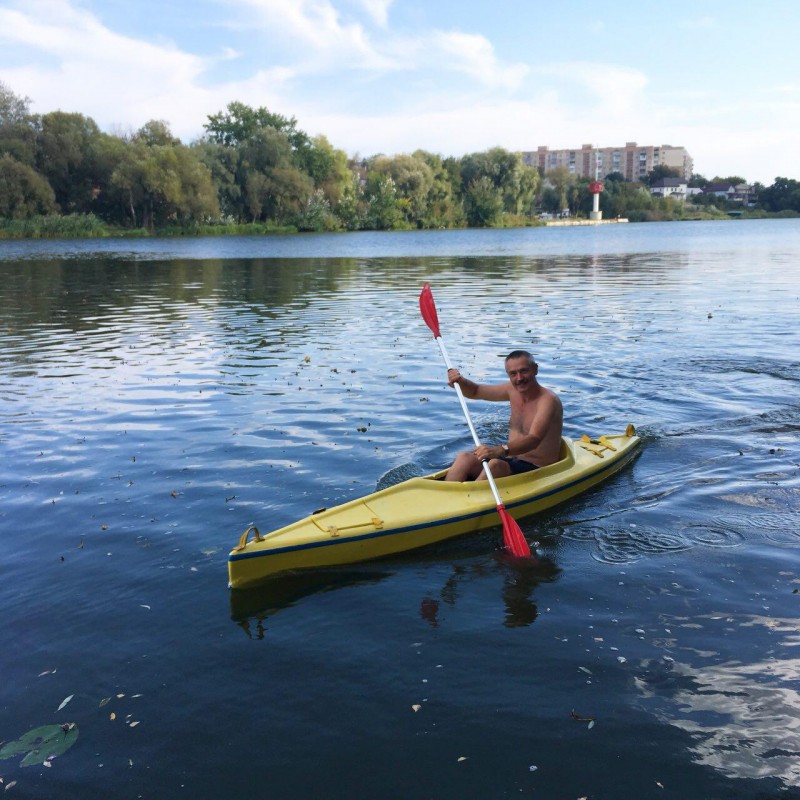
(712, 535)
(626, 545)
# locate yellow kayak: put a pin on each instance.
(424, 510)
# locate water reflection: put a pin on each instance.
(251, 608)
(740, 724)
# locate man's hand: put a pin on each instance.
(486, 452)
(453, 376)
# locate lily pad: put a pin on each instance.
(41, 744)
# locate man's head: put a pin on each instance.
(521, 369)
(515, 354)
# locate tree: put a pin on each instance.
(23, 192)
(515, 182)
(156, 131)
(561, 180)
(17, 126)
(443, 207)
(412, 179)
(164, 184)
(65, 154)
(241, 122)
(351, 209)
(383, 212)
(734, 179)
(327, 167)
(13, 108)
(223, 165)
(698, 181)
(662, 171)
(483, 202)
(782, 195)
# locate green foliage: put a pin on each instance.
(383, 210)
(661, 171)
(23, 192)
(317, 215)
(483, 203)
(241, 122)
(256, 171)
(783, 195)
(159, 184)
(65, 155)
(54, 226)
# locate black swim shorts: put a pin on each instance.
(518, 465)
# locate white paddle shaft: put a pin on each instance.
(464, 408)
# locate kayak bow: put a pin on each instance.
(422, 511)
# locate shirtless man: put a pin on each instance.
(534, 437)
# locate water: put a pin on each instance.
(159, 396)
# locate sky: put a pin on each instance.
(720, 78)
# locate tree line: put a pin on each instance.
(253, 166)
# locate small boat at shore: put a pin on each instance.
(424, 510)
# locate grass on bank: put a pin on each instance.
(88, 226)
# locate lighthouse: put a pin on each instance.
(595, 187)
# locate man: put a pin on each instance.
(534, 437)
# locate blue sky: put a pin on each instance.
(451, 76)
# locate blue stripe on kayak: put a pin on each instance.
(395, 531)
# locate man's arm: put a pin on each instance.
(479, 391)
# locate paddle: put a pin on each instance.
(512, 535)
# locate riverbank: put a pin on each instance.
(88, 226)
(567, 223)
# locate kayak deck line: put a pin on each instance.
(382, 523)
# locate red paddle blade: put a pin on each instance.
(512, 535)
(428, 309)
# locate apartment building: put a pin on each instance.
(633, 161)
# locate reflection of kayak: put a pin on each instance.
(422, 511)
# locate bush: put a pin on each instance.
(53, 226)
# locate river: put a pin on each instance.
(158, 396)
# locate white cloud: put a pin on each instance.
(324, 38)
(475, 56)
(614, 89)
(378, 10)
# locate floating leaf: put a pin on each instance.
(9, 785)
(41, 744)
(112, 716)
(462, 758)
(64, 702)
(416, 707)
(134, 723)
(105, 701)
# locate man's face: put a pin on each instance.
(521, 372)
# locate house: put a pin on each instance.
(724, 189)
(732, 192)
(669, 187)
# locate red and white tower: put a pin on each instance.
(595, 187)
